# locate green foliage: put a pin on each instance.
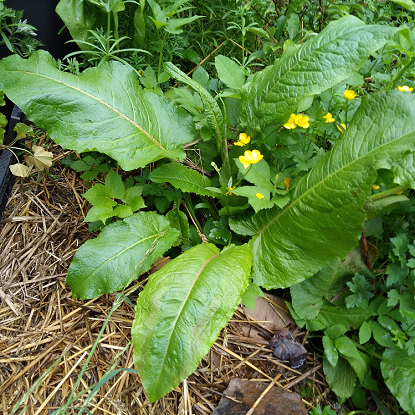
(122, 252)
(97, 107)
(15, 33)
(197, 304)
(322, 411)
(288, 199)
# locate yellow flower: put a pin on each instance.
(230, 189)
(329, 117)
(243, 140)
(341, 129)
(375, 187)
(259, 195)
(404, 88)
(302, 121)
(250, 157)
(287, 182)
(349, 94)
(290, 125)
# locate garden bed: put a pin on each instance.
(41, 229)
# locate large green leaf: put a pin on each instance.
(80, 16)
(341, 48)
(183, 178)
(325, 218)
(103, 109)
(398, 370)
(122, 251)
(182, 310)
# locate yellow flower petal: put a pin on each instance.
(302, 120)
(290, 125)
(256, 156)
(341, 129)
(329, 117)
(259, 195)
(349, 94)
(406, 88)
(245, 162)
(375, 187)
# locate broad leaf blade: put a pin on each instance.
(182, 310)
(333, 55)
(325, 218)
(398, 371)
(103, 109)
(122, 251)
(182, 178)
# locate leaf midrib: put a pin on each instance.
(120, 253)
(329, 176)
(110, 107)
(180, 312)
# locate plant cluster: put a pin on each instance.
(269, 177)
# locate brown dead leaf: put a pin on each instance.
(41, 158)
(272, 317)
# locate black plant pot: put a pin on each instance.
(41, 14)
(7, 158)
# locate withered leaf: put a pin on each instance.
(20, 170)
(284, 347)
(41, 158)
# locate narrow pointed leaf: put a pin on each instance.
(325, 219)
(182, 178)
(122, 252)
(103, 109)
(212, 110)
(341, 48)
(181, 311)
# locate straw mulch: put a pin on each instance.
(40, 322)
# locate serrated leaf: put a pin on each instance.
(79, 165)
(229, 72)
(123, 211)
(250, 295)
(183, 178)
(341, 48)
(178, 220)
(114, 184)
(182, 310)
(97, 110)
(98, 195)
(99, 213)
(381, 131)
(133, 199)
(122, 251)
(341, 379)
(398, 372)
(330, 351)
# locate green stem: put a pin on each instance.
(239, 181)
(387, 193)
(108, 35)
(347, 109)
(161, 52)
(394, 81)
(363, 349)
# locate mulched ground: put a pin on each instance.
(40, 323)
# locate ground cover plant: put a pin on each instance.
(291, 162)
